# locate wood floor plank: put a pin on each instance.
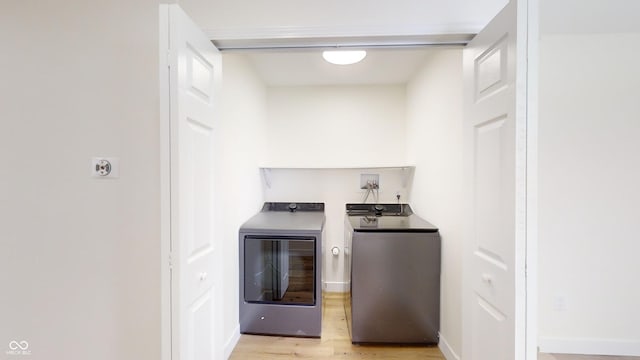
(334, 343)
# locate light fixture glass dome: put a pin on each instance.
(344, 57)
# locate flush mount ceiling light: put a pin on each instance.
(344, 57)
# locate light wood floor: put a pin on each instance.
(334, 343)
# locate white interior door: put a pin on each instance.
(495, 125)
(194, 68)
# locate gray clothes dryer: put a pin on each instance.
(393, 257)
(280, 270)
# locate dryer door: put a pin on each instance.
(279, 270)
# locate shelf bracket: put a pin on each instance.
(266, 176)
(406, 175)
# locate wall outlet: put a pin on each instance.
(369, 181)
(105, 167)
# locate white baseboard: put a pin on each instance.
(335, 286)
(612, 347)
(446, 349)
(232, 342)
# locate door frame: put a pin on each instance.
(165, 185)
(531, 150)
(531, 258)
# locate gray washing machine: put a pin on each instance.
(392, 257)
(280, 270)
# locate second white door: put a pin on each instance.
(495, 124)
(194, 75)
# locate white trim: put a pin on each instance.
(232, 342)
(446, 349)
(612, 347)
(334, 42)
(531, 320)
(521, 169)
(281, 32)
(335, 286)
(165, 184)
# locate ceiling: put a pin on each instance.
(236, 19)
(297, 61)
(307, 67)
(393, 66)
(234, 24)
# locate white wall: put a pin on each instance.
(589, 199)
(434, 145)
(241, 142)
(336, 126)
(335, 188)
(79, 256)
(589, 17)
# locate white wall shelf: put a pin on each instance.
(403, 166)
(407, 171)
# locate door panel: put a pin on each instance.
(491, 70)
(489, 319)
(194, 72)
(199, 328)
(199, 213)
(200, 74)
(495, 126)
